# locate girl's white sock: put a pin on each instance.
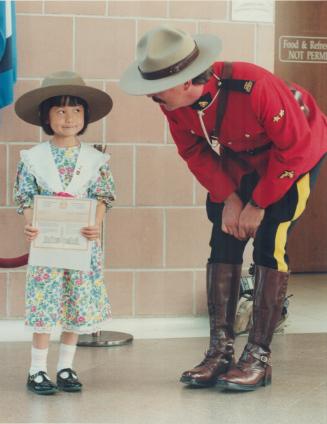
(38, 360)
(66, 356)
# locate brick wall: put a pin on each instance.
(156, 238)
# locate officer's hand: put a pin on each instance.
(231, 215)
(250, 219)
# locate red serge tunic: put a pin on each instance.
(268, 114)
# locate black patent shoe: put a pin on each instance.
(41, 384)
(67, 380)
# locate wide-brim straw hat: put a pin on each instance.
(168, 57)
(63, 83)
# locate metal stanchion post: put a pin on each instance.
(104, 338)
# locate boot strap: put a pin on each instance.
(262, 358)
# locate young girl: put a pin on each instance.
(74, 300)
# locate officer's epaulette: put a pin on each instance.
(244, 86)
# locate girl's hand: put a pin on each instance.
(30, 232)
(231, 215)
(250, 219)
(92, 232)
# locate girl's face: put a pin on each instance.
(66, 121)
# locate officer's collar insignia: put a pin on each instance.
(287, 174)
(202, 102)
(248, 86)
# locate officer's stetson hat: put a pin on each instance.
(63, 83)
(167, 57)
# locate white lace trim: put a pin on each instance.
(105, 158)
(31, 169)
(101, 158)
(78, 330)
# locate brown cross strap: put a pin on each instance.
(222, 99)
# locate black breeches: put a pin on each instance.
(269, 245)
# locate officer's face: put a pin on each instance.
(173, 98)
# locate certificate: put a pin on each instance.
(60, 243)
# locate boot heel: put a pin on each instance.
(267, 380)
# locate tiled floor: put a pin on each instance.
(308, 311)
(138, 383)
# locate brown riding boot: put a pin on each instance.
(254, 366)
(223, 284)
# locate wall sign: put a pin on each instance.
(253, 10)
(294, 48)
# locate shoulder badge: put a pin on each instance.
(279, 115)
(248, 86)
(287, 174)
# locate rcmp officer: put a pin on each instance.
(255, 143)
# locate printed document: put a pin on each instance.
(60, 243)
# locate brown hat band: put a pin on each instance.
(173, 69)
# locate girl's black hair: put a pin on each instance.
(58, 101)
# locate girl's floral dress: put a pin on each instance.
(73, 300)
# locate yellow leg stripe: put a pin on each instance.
(303, 190)
(280, 243)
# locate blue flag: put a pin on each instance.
(8, 53)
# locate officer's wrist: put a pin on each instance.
(254, 204)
